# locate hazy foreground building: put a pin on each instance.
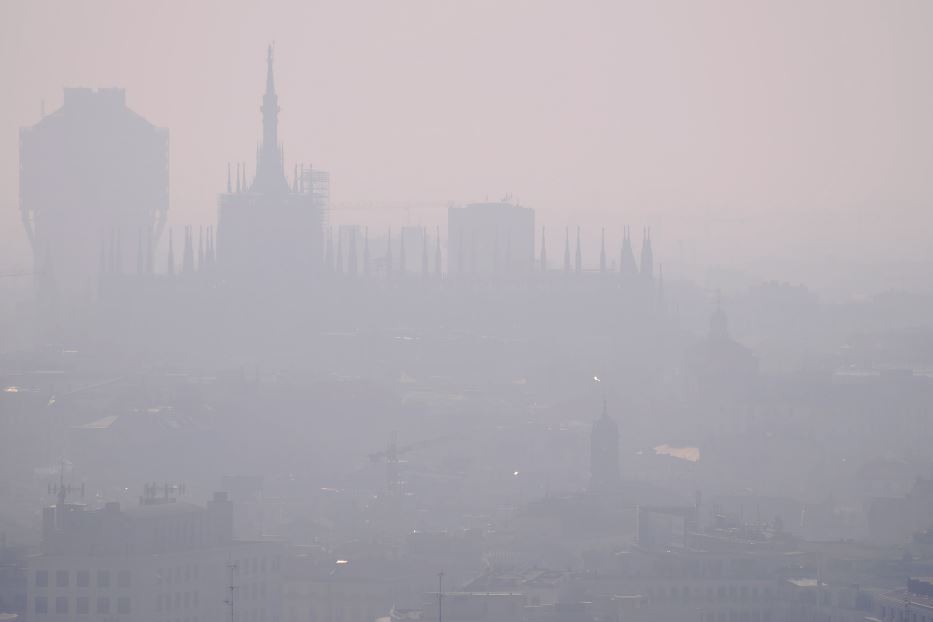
(93, 189)
(162, 560)
(268, 228)
(604, 454)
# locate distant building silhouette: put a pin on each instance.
(720, 368)
(266, 228)
(273, 233)
(93, 189)
(491, 238)
(604, 454)
(412, 252)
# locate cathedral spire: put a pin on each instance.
(567, 250)
(171, 255)
(647, 256)
(366, 252)
(209, 250)
(402, 267)
(437, 251)
(424, 252)
(389, 253)
(543, 252)
(339, 253)
(578, 258)
(270, 172)
(187, 260)
(351, 254)
(602, 253)
(201, 247)
(662, 302)
(627, 265)
(270, 109)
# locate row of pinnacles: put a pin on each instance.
(193, 260)
(267, 225)
(205, 257)
(358, 260)
(270, 229)
(628, 268)
(350, 255)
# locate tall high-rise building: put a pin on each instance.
(604, 454)
(267, 228)
(94, 186)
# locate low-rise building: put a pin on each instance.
(163, 560)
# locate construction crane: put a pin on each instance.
(392, 453)
(399, 206)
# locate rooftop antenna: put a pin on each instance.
(440, 597)
(819, 585)
(233, 573)
(61, 490)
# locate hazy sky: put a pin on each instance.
(743, 116)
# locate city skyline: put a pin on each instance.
(449, 311)
(723, 232)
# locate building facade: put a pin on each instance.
(94, 189)
(163, 560)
